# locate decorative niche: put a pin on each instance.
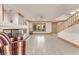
(39, 27)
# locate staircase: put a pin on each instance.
(69, 29)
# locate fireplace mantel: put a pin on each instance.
(13, 26)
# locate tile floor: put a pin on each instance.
(49, 45)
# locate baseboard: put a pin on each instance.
(42, 33)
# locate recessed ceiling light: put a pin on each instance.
(72, 13)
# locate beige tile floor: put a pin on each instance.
(49, 45)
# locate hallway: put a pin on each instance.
(49, 45)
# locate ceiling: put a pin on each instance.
(49, 11)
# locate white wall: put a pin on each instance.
(10, 15)
(26, 35)
(5, 24)
(48, 27)
(0, 14)
(71, 34)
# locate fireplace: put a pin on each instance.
(15, 32)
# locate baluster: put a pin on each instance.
(62, 25)
(68, 21)
(78, 18)
(75, 18)
(71, 21)
(65, 25)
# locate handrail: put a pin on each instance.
(71, 16)
(72, 20)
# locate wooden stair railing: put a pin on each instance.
(72, 20)
(15, 48)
